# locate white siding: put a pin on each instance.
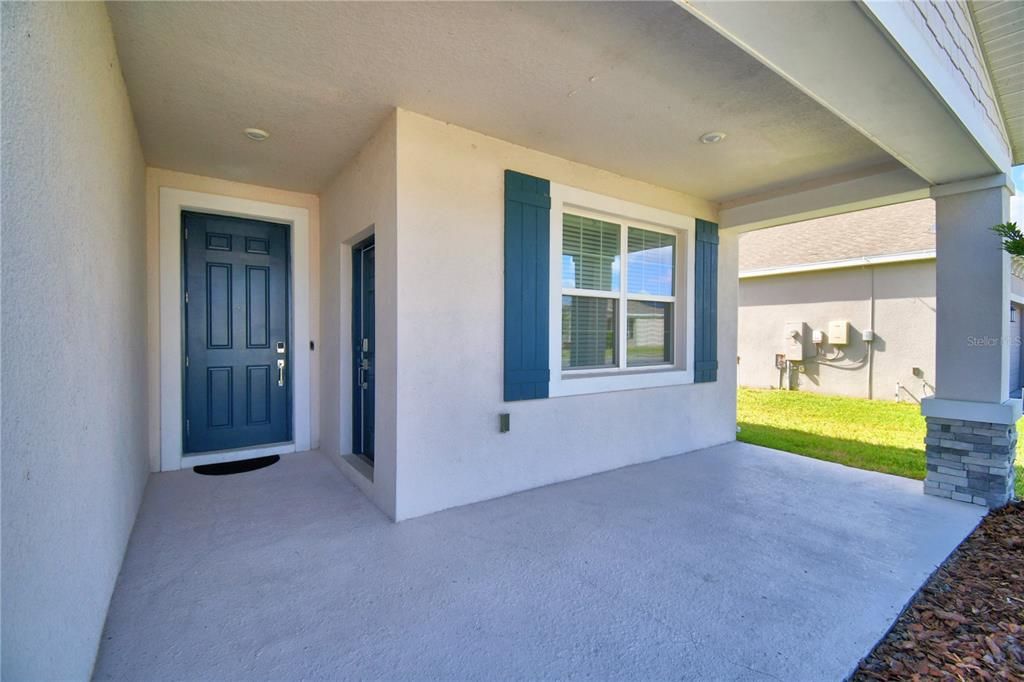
(1000, 27)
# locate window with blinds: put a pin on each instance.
(618, 295)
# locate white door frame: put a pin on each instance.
(172, 203)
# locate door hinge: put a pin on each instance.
(186, 233)
(188, 427)
(186, 361)
(186, 297)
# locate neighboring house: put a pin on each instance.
(869, 274)
(476, 248)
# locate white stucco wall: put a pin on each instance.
(361, 201)
(904, 325)
(450, 331)
(74, 321)
(972, 363)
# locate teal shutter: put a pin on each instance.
(705, 354)
(527, 268)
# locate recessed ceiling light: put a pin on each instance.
(256, 134)
(713, 137)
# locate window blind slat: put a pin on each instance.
(588, 332)
(590, 253)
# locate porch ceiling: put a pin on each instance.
(628, 87)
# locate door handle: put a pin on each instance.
(364, 366)
(280, 372)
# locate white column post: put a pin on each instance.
(972, 436)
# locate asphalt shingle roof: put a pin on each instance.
(900, 228)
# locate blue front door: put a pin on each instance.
(363, 346)
(237, 360)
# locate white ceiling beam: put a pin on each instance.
(836, 53)
(890, 185)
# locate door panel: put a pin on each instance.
(218, 397)
(363, 346)
(257, 306)
(218, 305)
(236, 316)
(257, 391)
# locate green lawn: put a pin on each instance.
(866, 434)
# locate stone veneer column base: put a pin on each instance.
(970, 461)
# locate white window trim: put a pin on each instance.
(172, 202)
(580, 382)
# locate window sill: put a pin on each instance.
(574, 374)
(582, 384)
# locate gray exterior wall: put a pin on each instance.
(904, 326)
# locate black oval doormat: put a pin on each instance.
(239, 467)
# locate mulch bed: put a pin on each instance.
(967, 623)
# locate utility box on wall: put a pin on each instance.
(793, 341)
(839, 332)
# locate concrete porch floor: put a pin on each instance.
(731, 563)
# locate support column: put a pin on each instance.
(972, 436)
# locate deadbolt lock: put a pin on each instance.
(280, 346)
